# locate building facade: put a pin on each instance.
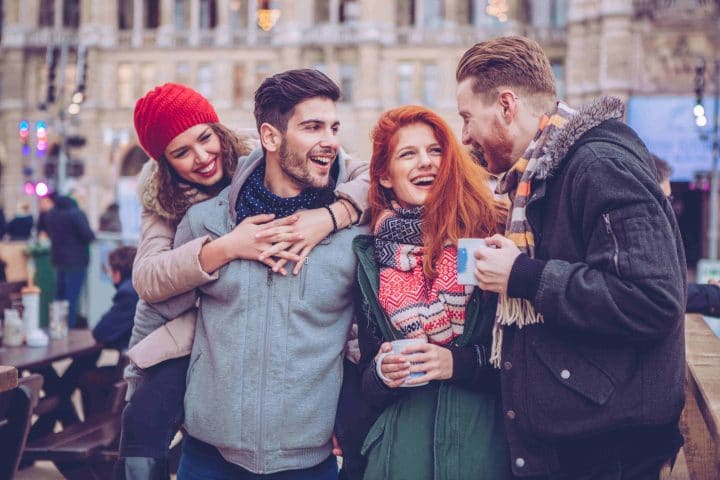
(382, 53)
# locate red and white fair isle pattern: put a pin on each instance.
(419, 306)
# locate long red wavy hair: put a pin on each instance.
(459, 204)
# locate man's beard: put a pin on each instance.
(297, 169)
(498, 153)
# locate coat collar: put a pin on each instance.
(148, 186)
(587, 117)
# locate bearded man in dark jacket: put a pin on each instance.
(590, 272)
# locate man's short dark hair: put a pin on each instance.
(277, 96)
(121, 260)
(663, 170)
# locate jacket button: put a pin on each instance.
(520, 462)
(510, 414)
(507, 365)
(565, 374)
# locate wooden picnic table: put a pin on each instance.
(78, 343)
(80, 347)
(8, 378)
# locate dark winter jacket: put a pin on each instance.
(70, 234)
(605, 371)
(20, 227)
(114, 328)
(446, 430)
(704, 299)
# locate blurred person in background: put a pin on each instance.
(20, 227)
(702, 298)
(115, 326)
(70, 237)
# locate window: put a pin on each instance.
(182, 73)
(238, 83)
(205, 80)
(208, 17)
(125, 15)
(152, 14)
(46, 14)
(405, 13)
(558, 13)
(147, 77)
(181, 15)
(432, 13)
(349, 11)
(71, 13)
(125, 85)
(238, 15)
(430, 75)
(559, 72)
(405, 73)
(347, 82)
(322, 11)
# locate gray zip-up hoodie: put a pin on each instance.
(266, 364)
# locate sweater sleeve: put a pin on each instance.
(369, 338)
(703, 299)
(159, 271)
(355, 189)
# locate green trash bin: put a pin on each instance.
(44, 278)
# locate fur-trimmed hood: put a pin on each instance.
(147, 189)
(587, 117)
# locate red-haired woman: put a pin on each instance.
(425, 194)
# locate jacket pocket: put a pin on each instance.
(566, 394)
(643, 241)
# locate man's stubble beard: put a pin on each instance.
(297, 169)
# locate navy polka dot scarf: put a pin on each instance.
(255, 199)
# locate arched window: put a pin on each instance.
(133, 162)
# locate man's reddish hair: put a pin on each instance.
(460, 203)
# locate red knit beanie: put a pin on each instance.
(167, 111)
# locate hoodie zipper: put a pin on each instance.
(611, 232)
(263, 375)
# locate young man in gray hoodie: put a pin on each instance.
(266, 365)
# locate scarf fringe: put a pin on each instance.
(511, 311)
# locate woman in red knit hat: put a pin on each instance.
(193, 159)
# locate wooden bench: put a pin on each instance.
(700, 420)
(83, 450)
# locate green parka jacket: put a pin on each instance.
(441, 431)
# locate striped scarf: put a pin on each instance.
(418, 307)
(518, 183)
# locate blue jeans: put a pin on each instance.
(68, 284)
(202, 461)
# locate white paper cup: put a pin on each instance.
(466, 259)
(397, 347)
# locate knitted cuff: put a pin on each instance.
(525, 276)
